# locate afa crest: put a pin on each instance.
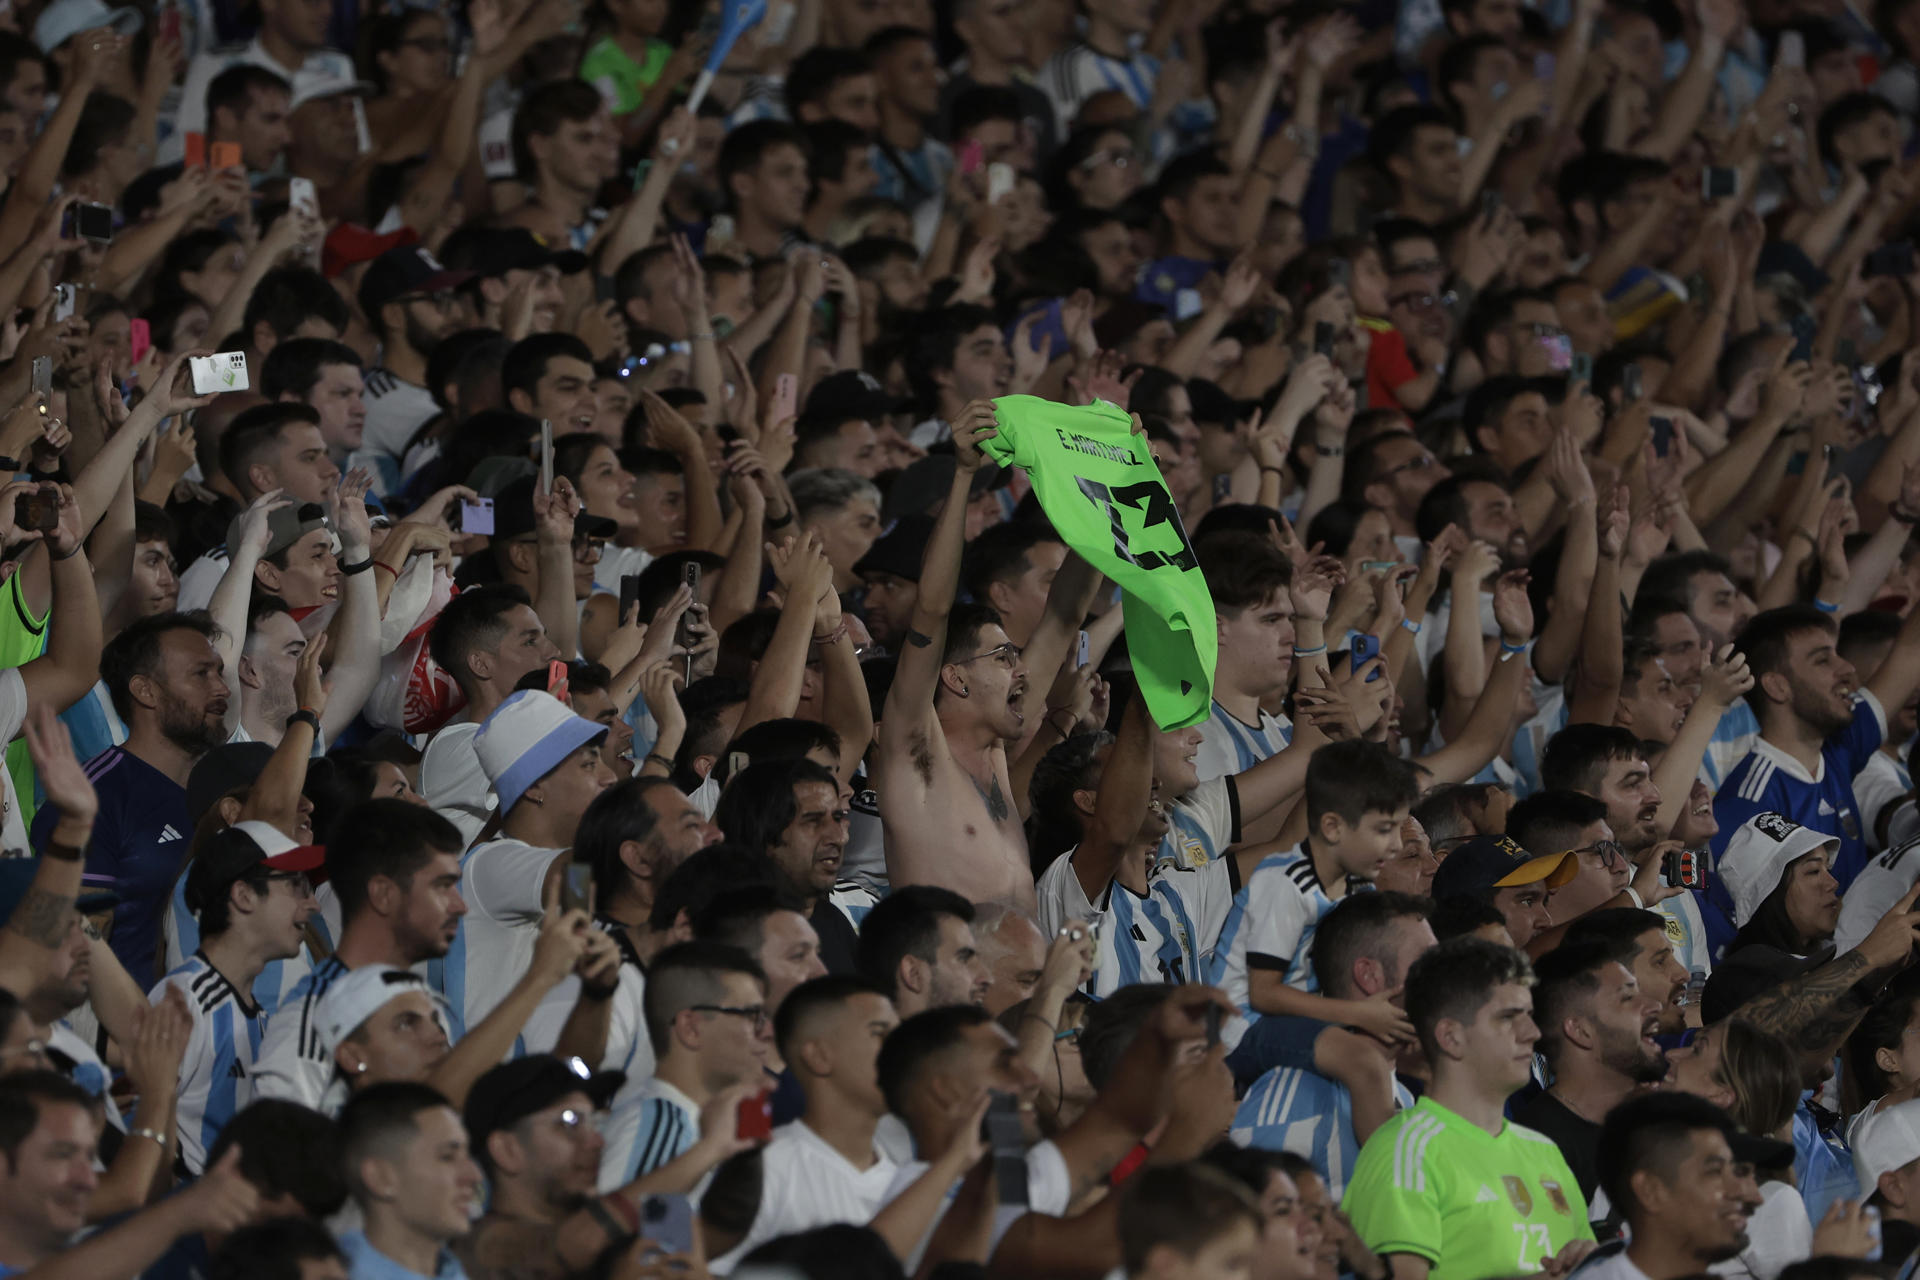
(1518, 1195)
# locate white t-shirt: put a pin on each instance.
(808, 1184)
(396, 409)
(1880, 783)
(1880, 884)
(452, 781)
(13, 715)
(628, 1049)
(615, 564)
(1778, 1235)
(501, 881)
(200, 578)
(1049, 1191)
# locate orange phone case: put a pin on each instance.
(226, 155)
(196, 151)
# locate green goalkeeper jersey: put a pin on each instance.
(1475, 1206)
(1100, 487)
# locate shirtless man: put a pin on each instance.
(946, 801)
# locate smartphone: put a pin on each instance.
(629, 595)
(1685, 868)
(37, 511)
(65, 298)
(139, 338)
(1215, 1016)
(726, 432)
(1630, 384)
(224, 155)
(1365, 649)
(301, 196)
(668, 1222)
(1804, 331)
(1580, 370)
(1662, 436)
(1009, 1145)
(42, 375)
(226, 371)
(1082, 650)
(196, 157)
(691, 577)
(475, 516)
(169, 23)
(546, 457)
(1718, 182)
(93, 222)
(1489, 203)
(721, 228)
(1000, 180)
(1894, 259)
(1792, 50)
(1559, 349)
(1339, 272)
(786, 397)
(1323, 338)
(970, 156)
(754, 1123)
(576, 887)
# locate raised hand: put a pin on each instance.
(222, 1201)
(977, 422)
(51, 749)
(1511, 607)
(1725, 679)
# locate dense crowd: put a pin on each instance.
(862, 639)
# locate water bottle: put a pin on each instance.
(1872, 1216)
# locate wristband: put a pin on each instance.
(781, 523)
(616, 1229)
(1512, 648)
(348, 570)
(1278, 471)
(655, 755)
(1072, 721)
(1811, 540)
(1408, 624)
(1298, 652)
(1329, 451)
(1634, 893)
(306, 717)
(1824, 607)
(599, 991)
(1903, 515)
(700, 337)
(62, 852)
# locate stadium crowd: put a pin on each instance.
(862, 639)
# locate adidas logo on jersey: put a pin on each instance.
(168, 833)
(1487, 1195)
(237, 1070)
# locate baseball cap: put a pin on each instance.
(527, 737)
(357, 995)
(285, 526)
(900, 550)
(513, 514)
(1888, 1139)
(1486, 863)
(928, 481)
(329, 87)
(494, 251)
(512, 1091)
(223, 771)
(399, 272)
(1756, 855)
(64, 19)
(851, 393)
(350, 244)
(231, 853)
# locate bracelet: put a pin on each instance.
(382, 564)
(1072, 724)
(1824, 607)
(152, 1134)
(62, 852)
(1811, 540)
(700, 337)
(596, 1209)
(1512, 648)
(1329, 450)
(1298, 652)
(348, 570)
(655, 755)
(1634, 893)
(1902, 515)
(781, 523)
(1278, 471)
(1408, 624)
(306, 717)
(1042, 1021)
(77, 548)
(835, 636)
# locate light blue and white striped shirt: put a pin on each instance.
(1289, 1109)
(216, 1074)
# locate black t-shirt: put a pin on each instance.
(1576, 1138)
(837, 937)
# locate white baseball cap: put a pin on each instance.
(329, 87)
(357, 995)
(1888, 1139)
(527, 737)
(62, 20)
(1756, 856)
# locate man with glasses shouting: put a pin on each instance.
(1570, 822)
(252, 889)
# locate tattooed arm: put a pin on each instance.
(40, 925)
(1816, 1010)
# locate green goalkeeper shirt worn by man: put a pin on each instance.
(1472, 1204)
(1100, 487)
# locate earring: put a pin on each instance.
(963, 691)
(361, 1069)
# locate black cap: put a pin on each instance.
(918, 489)
(223, 771)
(1485, 863)
(512, 1091)
(899, 550)
(513, 514)
(1747, 974)
(494, 251)
(399, 272)
(232, 852)
(851, 393)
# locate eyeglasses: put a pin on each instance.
(1420, 463)
(1007, 655)
(1540, 329)
(294, 880)
(1415, 301)
(442, 298)
(1420, 264)
(588, 552)
(753, 1013)
(1611, 854)
(1118, 157)
(428, 44)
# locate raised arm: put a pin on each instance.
(38, 928)
(801, 566)
(1120, 804)
(354, 634)
(61, 676)
(553, 517)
